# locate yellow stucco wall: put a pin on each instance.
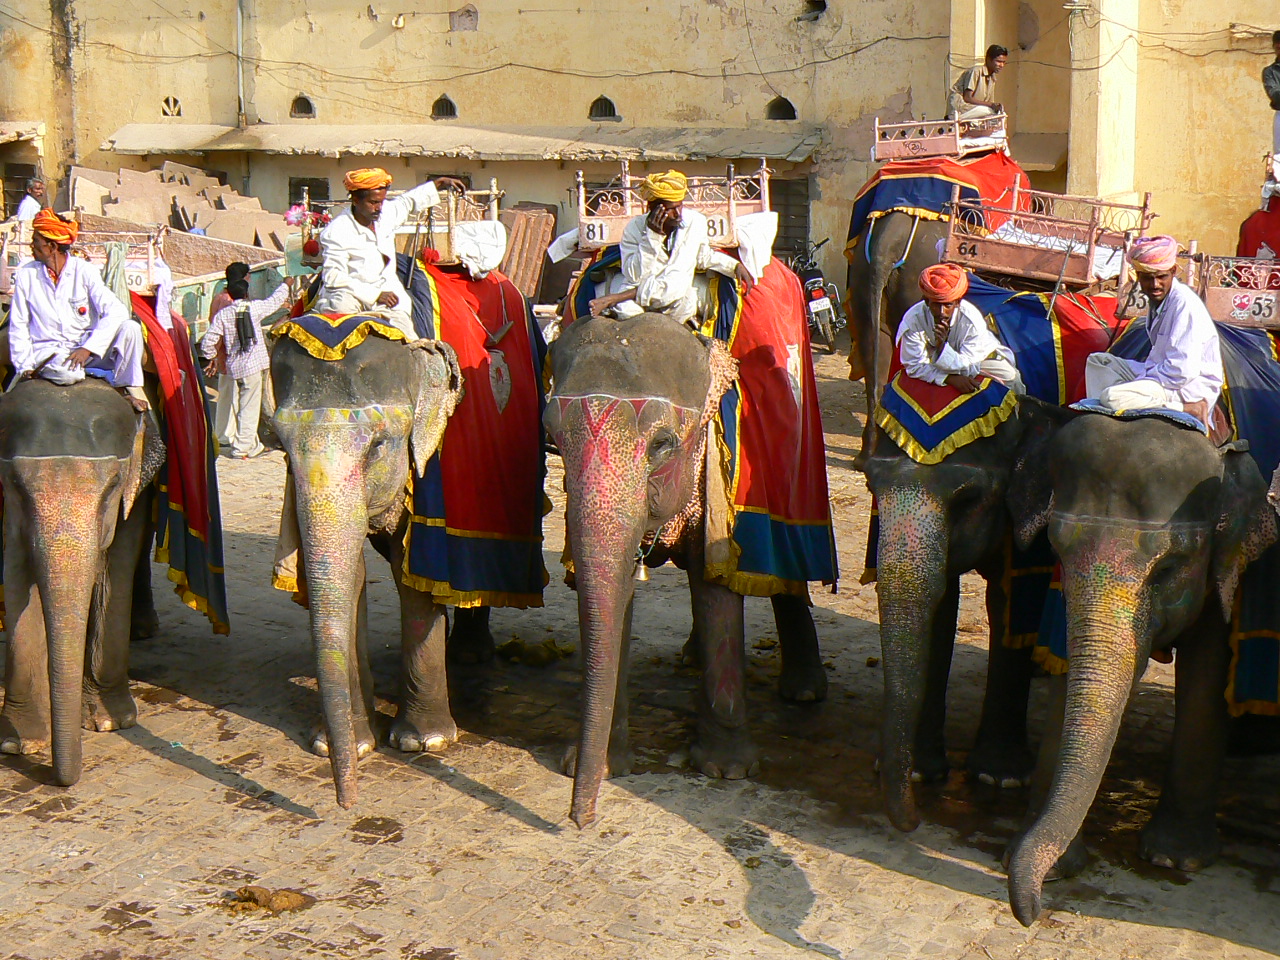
(701, 65)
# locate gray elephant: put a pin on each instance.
(885, 261)
(628, 411)
(354, 428)
(75, 465)
(936, 522)
(1154, 527)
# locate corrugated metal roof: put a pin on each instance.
(12, 130)
(598, 142)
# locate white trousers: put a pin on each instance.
(248, 393)
(998, 368)
(340, 301)
(121, 366)
(1275, 135)
(1113, 381)
(975, 112)
(224, 416)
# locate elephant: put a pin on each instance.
(938, 521)
(628, 411)
(1153, 526)
(76, 466)
(354, 429)
(884, 262)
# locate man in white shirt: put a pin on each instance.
(237, 328)
(358, 246)
(944, 339)
(661, 251)
(32, 201)
(1183, 371)
(64, 322)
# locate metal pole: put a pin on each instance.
(241, 118)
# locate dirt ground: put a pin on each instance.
(470, 854)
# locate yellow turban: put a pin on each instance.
(52, 227)
(671, 186)
(370, 178)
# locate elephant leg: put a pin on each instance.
(723, 746)
(108, 704)
(803, 678)
(423, 718)
(144, 622)
(1000, 755)
(691, 652)
(931, 762)
(470, 640)
(24, 721)
(619, 756)
(1183, 833)
(1076, 857)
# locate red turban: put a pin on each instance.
(1154, 254)
(369, 178)
(944, 282)
(52, 227)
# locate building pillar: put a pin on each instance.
(1104, 100)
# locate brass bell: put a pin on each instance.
(642, 571)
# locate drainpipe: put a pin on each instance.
(240, 110)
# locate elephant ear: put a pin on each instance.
(439, 391)
(724, 371)
(1246, 523)
(144, 463)
(1030, 486)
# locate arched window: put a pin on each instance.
(444, 109)
(302, 108)
(171, 107)
(780, 108)
(602, 108)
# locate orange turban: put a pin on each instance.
(944, 282)
(370, 178)
(52, 227)
(1154, 254)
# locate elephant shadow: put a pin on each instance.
(817, 794)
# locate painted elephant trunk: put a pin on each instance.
(333, 518)
(911, 573)
(1105, 652)
(605, 587)
(68, 565)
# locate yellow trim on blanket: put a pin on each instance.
(443, 592)
(959, 401)
(760, 585)
(1264, 708)
(182, 587)
(984, 426)
(473, 534)
(1052, 664)
(357, 336)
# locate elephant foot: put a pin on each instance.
(366, 741)
(803, 683)
(470, 640)
(1001, 764)
(1180, 844)
(691, 652)
(108, 710)
(421, 734)
(930, 763)
(1072, 863)
(19, 737)
(143, 624)
(619, 761)
(725, 755)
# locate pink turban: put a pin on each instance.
(1154, 254)
(944, 282)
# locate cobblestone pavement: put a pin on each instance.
(470, 855)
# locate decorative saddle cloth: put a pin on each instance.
(1178, 418)
(329, 336)
(930, 422)
(769, 518)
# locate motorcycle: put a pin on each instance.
(821, 299)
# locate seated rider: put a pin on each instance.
(661, 251)
(1183, 371)
(64, 322)
(944, 339)
(358, 246)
